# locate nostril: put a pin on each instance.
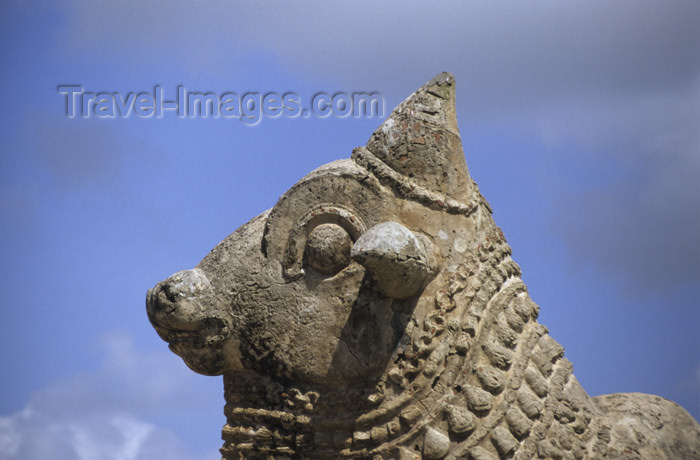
(152, 300)
(181, 309)
(160, 300)
(167, 294)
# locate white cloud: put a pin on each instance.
(115, 413)
(33, 435)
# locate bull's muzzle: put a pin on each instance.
(182, 311)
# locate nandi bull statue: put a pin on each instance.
(375, 312)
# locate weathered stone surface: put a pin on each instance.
(399, 261)
(436, 444)
(460, 420)
(375, 312)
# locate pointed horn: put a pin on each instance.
(399, 260)
(420, 140)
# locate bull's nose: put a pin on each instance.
(160, 304)
(185, 312)
(188, 283)
(175, 300)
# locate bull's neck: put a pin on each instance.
(476, 372)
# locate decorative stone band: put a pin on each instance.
(408, 189)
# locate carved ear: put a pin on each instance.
(399, 260)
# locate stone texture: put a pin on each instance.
(375, 312)
(435, 444)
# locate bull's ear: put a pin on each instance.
(399, 260)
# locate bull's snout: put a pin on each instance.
(175, 303)
(183, 310)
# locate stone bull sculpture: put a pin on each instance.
(375, 312)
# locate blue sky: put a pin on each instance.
(580, 123)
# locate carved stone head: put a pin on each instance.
(375, 312)
(320, 289)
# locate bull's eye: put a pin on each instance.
(328, 249)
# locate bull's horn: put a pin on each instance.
(399, 260)
(420, 139)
